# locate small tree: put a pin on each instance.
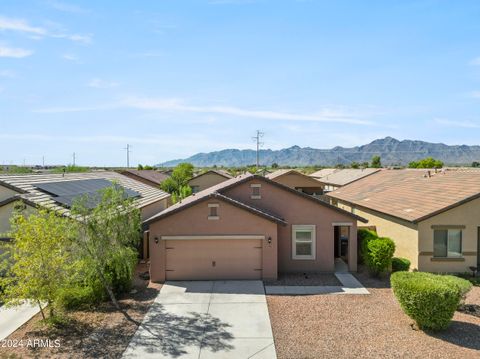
(274, 165)
(376, 162)
(428, 162)
(108, 237)
(140, 167)
(475, 164)
(176, 183)
(38, 262)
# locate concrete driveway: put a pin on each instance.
(206, 319)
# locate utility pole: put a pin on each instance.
(43, 161)
(257, 140)
(127, 149)
(73, 159)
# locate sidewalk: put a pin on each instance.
(14, 317)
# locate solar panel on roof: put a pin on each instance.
(66, 192)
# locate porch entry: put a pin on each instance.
(341, 238)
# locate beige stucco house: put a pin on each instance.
(297, 180)
(33, 190)
(249, 227)
(332, 178)
(208, 179)
(434, 218)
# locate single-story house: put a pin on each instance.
(249, 227)
(323, 172)
(297, 180)
(57, 191)
(331, 180)
(208, 179)
(151, 177)
(433, 217)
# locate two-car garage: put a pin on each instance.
(213, 257)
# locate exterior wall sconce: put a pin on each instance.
(156, 240)
(269, 240)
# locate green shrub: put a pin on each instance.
(364, 236)
(463, 285)
(80, 297)
(400, 264)
(379, 255)
(120, 271)
(429, 299)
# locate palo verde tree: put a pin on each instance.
(177, 183)
(376, 162)
(37, 261)
(108, 235)
(428, 162)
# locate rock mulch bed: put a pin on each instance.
(324, 279)
(370, 326)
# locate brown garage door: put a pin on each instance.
(213, 259)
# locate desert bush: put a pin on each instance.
(379, 255)
(429, 299)
(400, 264)
(80, 297)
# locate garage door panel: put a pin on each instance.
(213, 259)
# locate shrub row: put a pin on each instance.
(429, 299)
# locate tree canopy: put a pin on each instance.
(428, 162)
(177, 183)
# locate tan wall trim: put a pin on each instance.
(425, 254)
(448, 226)
(469, 253)
(200, 237)
(437, 259)
(347, 224)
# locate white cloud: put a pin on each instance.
(20, 25)
(7, 73)
(475, 61)
(461, 124)
(325, 115)
(101, 84)
(35, 32)
(475, 94)
(66, 7)
(71, 57)
(14, 52)
(176, 105)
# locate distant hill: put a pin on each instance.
(391, 150)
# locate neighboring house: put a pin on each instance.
(434, 218)
(297, 180)
(57, 191)
(323, 172)
(208, 179)
(151, 177)
(341, 177)
(249, 227)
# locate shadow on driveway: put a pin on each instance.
(172, 334)
(463, 334)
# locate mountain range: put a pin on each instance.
(391, 151)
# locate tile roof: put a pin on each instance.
(343, 177)
(220, 187)
(153, 176)
(25, 185)
(218, 172)
(410, 194)
(323, 172)
(280, 172)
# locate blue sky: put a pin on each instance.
(173, 78)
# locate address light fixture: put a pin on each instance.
(156, 240)
(269, 240)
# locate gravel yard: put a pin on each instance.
(305, 279)
(365, 326)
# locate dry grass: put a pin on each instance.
(305, 279)
(99, 333)
(365, 326)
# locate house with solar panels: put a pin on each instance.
(59, 191)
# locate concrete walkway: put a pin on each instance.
(206, 319)
(14, 317)
(350, 285)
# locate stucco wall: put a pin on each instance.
(297, 210)
(467, 215)
(5, 214)
(153, 209)
(206, 181)
(403, 233)
(194, 221)
(6, 193)
(294, 180)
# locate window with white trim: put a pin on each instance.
(213, 211)
(447, 243)
(256, 191)
(303, 241)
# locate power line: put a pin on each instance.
(257, 140)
